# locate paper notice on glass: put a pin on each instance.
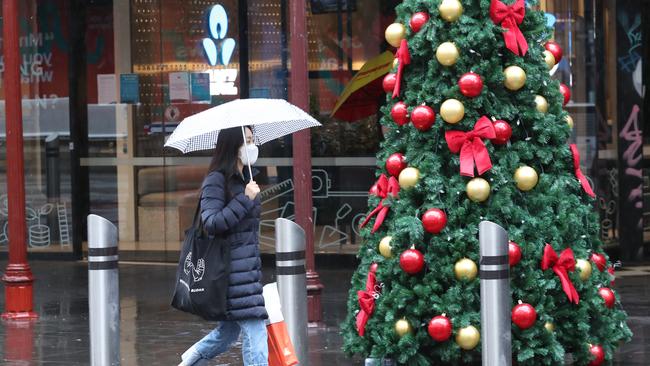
(179, 87)
(106, 89)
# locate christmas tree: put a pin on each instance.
(476, 131)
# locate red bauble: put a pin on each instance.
(524, 316)
(440, 328)
(599, 260)
(611, 272)
(608, 296)
(514, 253)
(598, 355)
(555, 50)
(434, 220)
(503, 132)
(411, 261)
(400, 113)
(389, 82)
(470, 84)
(423, 117)
(418, 20)
(395, 164)
(566, 92)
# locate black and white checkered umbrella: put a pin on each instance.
(269, 119)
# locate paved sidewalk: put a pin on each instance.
(152, 333)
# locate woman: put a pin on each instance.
(230, 207)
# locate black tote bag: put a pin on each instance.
(202, 276)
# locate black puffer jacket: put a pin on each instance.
(236, 216)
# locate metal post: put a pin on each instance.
(495, 295)
(18, 278)
(103, 292)
(292, 283)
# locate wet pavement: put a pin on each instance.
(152, 333)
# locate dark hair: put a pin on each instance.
(226, 151)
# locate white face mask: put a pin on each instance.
(249, 150)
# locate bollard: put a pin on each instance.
(103, 292)
(292, 283)
(495, 295)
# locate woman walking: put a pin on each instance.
(230, 207)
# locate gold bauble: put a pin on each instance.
(541, 104)
(467, 338)
(452, 111)
(402, 327)
(584, 267)
(465, 270)
(409, 177)
(549, 59)
(450, 10)
(569, 121)
(384, 247)
(447, 53)
(526, 178)
(395, 33)
(515, 77)
(478, 189)
(395, 63)
(550, 327)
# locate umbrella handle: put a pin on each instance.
(250, 171)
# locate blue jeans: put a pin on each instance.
(254, 344)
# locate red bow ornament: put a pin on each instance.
(510, 16)
(471, 147)
(367, 300)
(385, 187)
(576, 167)
(561, 266)
(404, 58)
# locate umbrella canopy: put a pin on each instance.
(269, 119)
(360, 97)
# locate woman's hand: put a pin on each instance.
(252, 189)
